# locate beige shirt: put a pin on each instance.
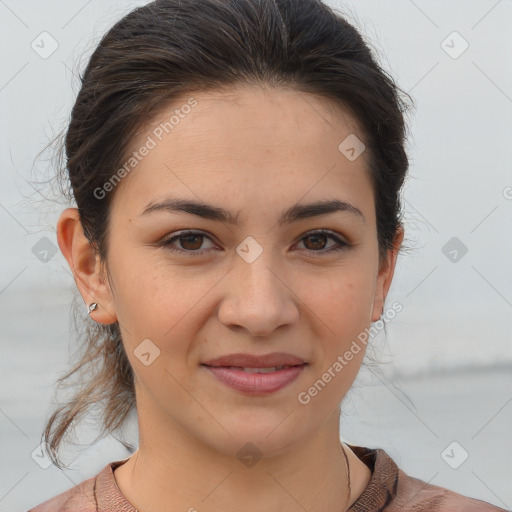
(389, 490)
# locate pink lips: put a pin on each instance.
(230, 371)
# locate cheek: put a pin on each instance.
(344, 310)
(342, 300)
(157, 302)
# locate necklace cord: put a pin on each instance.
(349, 490)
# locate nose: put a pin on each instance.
(258, 298)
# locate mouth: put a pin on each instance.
(272, 369)
(256, 375)
(266, 361)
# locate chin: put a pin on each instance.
(264, 433)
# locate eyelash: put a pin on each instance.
(183, 234)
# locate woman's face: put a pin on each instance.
(250, 279)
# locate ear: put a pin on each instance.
(85, 264)
(385, 275)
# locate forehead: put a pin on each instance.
(279, 144)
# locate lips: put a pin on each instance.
(274, 360)
(256, 375)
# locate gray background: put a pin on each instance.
(447, 358)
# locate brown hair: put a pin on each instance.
(169, 48)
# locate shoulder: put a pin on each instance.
(99, 492)
(80, 498)
(415, 494)
(392, 490)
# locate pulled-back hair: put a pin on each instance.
(167, 50)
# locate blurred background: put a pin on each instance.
(440, 403)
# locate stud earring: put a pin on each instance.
(92, 307)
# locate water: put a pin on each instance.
(414, 417)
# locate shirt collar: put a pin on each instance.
(380, 491)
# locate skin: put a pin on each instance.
(255, 152)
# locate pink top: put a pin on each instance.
(389, 490)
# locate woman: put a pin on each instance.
(236, 168)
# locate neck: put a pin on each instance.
(175, 471)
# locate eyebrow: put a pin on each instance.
(292, 214)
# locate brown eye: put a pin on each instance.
(188, 243)
(191, 242)
(315, 242)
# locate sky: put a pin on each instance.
(453, 57)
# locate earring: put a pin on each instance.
(92, 307)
